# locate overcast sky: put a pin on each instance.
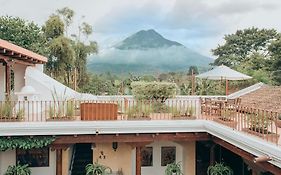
(198, 24)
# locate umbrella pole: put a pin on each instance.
(226, 87)
(192, 82)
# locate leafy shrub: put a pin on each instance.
(97, 169)
(143, 110)
(25, 142)
(20, 114)
(18, 170)
(153, 91)
(6, 110)
(173, 168)
(219, 169)
(184, 111)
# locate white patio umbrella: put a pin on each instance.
(223, 73)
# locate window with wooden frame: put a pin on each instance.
(37, 157)
(168, 155)
(147, 156)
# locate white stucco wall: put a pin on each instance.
(157, 169)
(19, 71)
(9, 158)
(2, 82)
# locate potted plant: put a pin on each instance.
(6, 110)
(97, 169)
(20, 114)
(139, 112)
(226, 118)
(219, 169)
(183, 114)
(278, 121)
(258, 125)
(173, 169)
(18, 170)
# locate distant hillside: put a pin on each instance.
(146, 40)
(146, 52)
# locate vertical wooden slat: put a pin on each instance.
(59, 162)
(8, 80)
(138, 160)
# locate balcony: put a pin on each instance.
(256, 122)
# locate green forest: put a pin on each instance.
(253, 51)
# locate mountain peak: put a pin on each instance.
(145, 39)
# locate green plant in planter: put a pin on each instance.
(175, 112)
(69, 109)
(6, 110)
(143, 110)
(20, 114)
(219, 169)
(173, 169)
(190, 111)
(257, 122)
(97, 169)
(226, 115)
(187, 112)
(18, 170)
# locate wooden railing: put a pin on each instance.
(124, 109)
(262, 123)
(258, 122)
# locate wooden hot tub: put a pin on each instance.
(98, 111)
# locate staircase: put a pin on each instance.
(83, 156)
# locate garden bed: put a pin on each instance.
(74, 118)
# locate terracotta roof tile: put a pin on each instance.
(267, 97)
(21, 51)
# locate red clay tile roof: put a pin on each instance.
(267, 98)
(20, 53)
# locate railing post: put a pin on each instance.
(59, 162)
(138, 160)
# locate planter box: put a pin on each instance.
(270, 136)
(74, 118)
(139, 118)
(11, 120)
(98, 111)
(183, 117)
(230, 123)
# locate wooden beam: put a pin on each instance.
(138, 160)
(59, 162)
(129, 138)
(138, 144)
(61, 146)
(19, 59)
(212, 154)
(247, 156)
(7, 80)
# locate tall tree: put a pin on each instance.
(61, 59)
(240, 46)
(67, 14)
(54, 27)
(275, 49)
(23, 33)
(68, 54)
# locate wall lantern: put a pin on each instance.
(114, 145)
